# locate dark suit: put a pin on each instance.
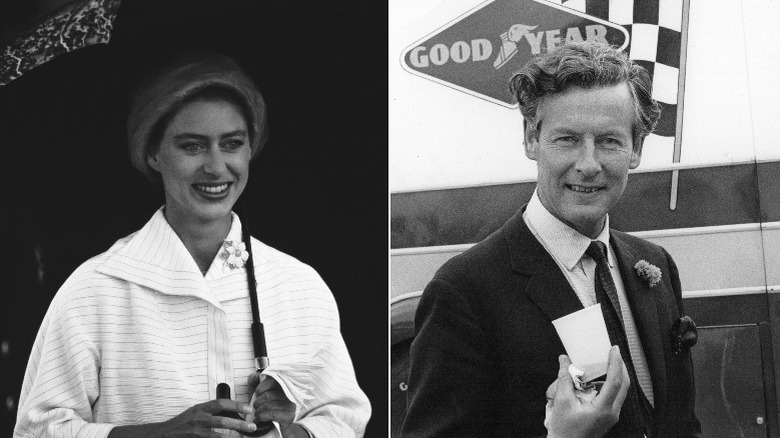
(485, 349)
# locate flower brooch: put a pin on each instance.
(648, 272)
(233, 254)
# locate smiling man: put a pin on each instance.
(487, 360)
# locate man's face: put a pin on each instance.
(583, 151)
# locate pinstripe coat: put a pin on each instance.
(138, 335)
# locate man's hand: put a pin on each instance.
(569, 416)
(197, 421)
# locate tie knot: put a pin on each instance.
(597, 251)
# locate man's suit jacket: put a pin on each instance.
(485, 349)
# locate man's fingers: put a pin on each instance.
(563, 367)
(564, 386)
(563, 362)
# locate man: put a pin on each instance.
(486, 351)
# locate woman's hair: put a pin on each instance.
(586, 65)
(186, 78)
(211, 93)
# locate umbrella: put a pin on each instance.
(74, 26)
(318, 190)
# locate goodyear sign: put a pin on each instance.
(478, 52)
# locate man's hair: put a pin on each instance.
(585, 65)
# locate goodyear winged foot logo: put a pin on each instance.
(510, 40)
(478, 52)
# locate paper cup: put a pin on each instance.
(584, 335)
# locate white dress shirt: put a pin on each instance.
(567, 247)
(138, 335)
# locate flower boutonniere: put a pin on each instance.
(648, 272)
(234, 254)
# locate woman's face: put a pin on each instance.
(203, 159)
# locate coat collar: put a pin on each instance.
(155, 257)
(547, 285)
(565, 244)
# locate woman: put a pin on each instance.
(138, 338)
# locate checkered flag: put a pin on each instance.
(655, 27)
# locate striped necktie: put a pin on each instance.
(635, 418)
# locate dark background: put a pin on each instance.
(318, 191)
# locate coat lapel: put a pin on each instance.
(155, 258)
(547, 286)
(643, 304)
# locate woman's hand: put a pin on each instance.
(197, 421)
(269, 401)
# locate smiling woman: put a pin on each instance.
(138, 338)
(203, 159)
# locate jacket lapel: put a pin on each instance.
(547, 286)
(643, 304)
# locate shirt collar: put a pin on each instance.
(562, 241)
